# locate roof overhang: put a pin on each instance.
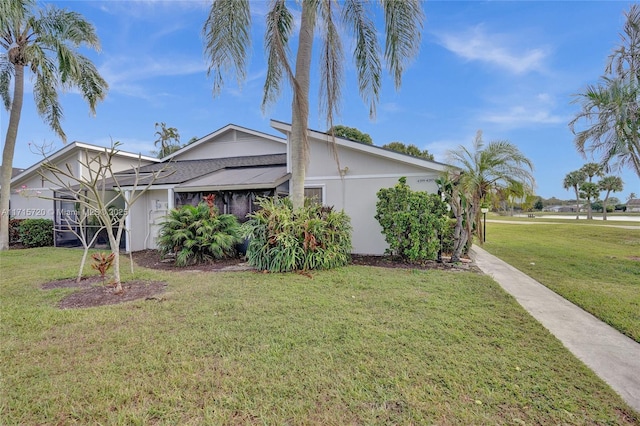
(238, 179)
(365, 148)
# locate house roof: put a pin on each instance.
(61, 153)
(182, 173)
(364, 147)
(633, 202)
(236, 179)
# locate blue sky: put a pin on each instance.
(508, 68)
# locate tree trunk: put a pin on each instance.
(7, 154)
(460, 236)
(115, 249)
(299, 147)
(577, 204)
(604, 207)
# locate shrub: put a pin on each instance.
(282, 240)
(198, 234)
(36, 232)
(14, 230)
(412, 221)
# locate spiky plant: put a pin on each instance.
(285, 239)
(197, 234)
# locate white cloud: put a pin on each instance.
(496, 49)
(127, 74)
(519, 115)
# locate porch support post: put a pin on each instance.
(127, 223)
(170, 199)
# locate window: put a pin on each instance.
(315, 194)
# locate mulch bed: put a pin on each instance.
(151, 259)
(93, 292)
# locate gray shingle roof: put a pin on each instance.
(178, 172)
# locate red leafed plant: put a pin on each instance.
(102, 262)
(212, 207)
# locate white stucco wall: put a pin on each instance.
(145, 218)
(366, 173)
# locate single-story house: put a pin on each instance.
(31, 192)
(633, 205)
(565, 208)
(238, 165)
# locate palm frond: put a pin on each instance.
(331, 57)
(279, 27)
(45, 91)
(366, 53)
(6, 75)
(403, 28)
(227, 40)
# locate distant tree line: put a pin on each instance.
(355, 134)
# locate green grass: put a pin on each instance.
(596, 267)
(355, 345)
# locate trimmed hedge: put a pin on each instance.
(36, 232)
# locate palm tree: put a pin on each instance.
(45, 41)
(168, 139)
(486, 169)
(611, 108)
(609, 184)
(573, 180)
(591, 190)
(227, 39)
(632, 196)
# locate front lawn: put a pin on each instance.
(355, 345)
(594, 266)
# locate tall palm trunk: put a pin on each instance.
(7, 154)
(299, 147)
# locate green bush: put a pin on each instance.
(412, 221)
(281, 239)
(198, 234)
(14, 230)
(36, 232)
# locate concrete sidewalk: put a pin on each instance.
(614, 357)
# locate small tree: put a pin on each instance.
(590, 170)
(454, 194)
(589, 191)
(609, 184)
(99, 189)
(168, 139)
(573, 180)
(412, 221)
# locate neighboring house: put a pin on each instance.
(29, 189)
(238, 165)
(633, 205)
(564, 209)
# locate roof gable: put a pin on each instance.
(236, 140)
(74, 147)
